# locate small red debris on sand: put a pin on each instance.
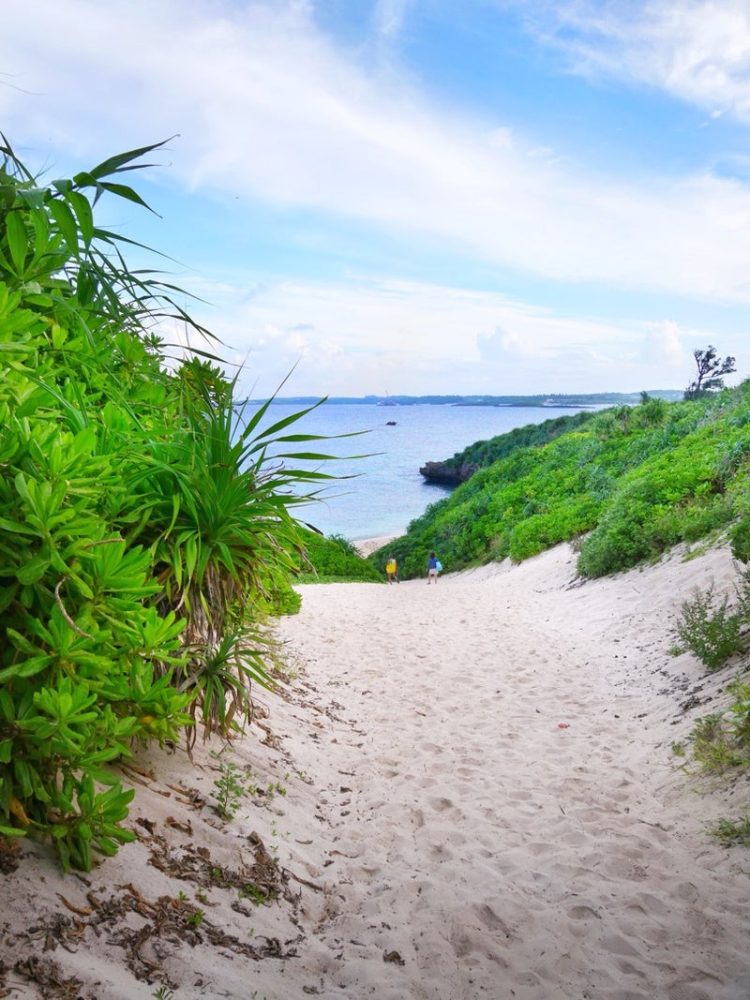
(563, 725)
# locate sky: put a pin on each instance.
(417, 196)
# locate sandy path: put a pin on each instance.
(499, 854)
(438, 835)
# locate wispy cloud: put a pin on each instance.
(696, 50)
(388, 17)
(268, 106)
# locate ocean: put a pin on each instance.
(386, 491)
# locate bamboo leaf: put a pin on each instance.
(82, 208)
(115, 164)
(128, 193)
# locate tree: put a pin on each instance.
(710, 372)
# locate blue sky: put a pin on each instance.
(419, 196)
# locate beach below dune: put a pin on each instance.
(479, 800)
(366, 546)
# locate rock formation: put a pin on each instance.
(448, 474)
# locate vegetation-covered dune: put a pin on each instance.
(630, 482)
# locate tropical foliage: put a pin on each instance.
(143, 533)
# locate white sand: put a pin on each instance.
(366, 546)
(446, 838)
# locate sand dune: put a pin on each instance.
(480, 802)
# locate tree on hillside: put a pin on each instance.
(710, 372)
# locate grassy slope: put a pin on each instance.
(635, 480)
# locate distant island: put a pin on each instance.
(576, 400)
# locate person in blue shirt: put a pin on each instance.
(432, 568)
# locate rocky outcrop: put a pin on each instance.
(447, 474)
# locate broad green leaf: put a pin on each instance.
(28, 668)
(17, 242)
(82, 208)
(11, 831)
(59, 335)
(67, 223)
(33, 570)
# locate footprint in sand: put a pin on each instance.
(440, 852)
(583, 913)
(441, 804)
(491, 920)
(617, 945)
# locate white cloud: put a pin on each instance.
(267, 106)
(663, 345)
(408, 337)
(697, 50)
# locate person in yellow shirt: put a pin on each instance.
(391, 570)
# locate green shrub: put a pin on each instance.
(721, 740)
(651, 412)
(739, 712)
(674, 495)
(713, 747)
(708, 629)
(334, 559)
(739, 533)
(229, 789)
(731, 833)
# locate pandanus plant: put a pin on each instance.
(215, 507)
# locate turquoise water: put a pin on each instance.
(387, 491)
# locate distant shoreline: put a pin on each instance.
(541, 400)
